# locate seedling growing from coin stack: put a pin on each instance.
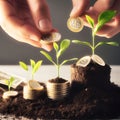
(33, 89)
(59, 51)
(58, 88)
(9, 93)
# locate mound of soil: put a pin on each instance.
(86, 103)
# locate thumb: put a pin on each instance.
(40, 13)
(79, 7)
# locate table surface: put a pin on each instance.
(47, 72)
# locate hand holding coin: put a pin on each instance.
(50, 38)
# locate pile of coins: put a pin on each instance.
(57, 91)
(32, 90)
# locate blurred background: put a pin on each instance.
(11, 51)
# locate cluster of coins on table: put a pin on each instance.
(57, 91)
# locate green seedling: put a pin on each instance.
(103, 18)
(59, 49)
(9, 82)
(34, 65)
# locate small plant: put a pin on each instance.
(103, 18)
(9, 93)
(59, 51)
(9, 82)
(34, 65)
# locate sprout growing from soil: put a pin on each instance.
(103, 18)
(34, 65)
(59, 49)
(9, 82)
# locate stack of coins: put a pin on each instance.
(32, 90)
(57, 91)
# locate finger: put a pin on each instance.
(15, 27)
(40, 12)
(47, 47)
(79, 7)
(102, 5)
(110, 29)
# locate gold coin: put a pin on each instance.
(8, 94)
(34, 85)
(75, 24)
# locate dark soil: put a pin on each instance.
(91, 75)
(88, 103)
(98, 99)
(58, 80)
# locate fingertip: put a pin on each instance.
(79, 7)
(47, 47)
(45, 25)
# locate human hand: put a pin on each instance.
(26, 20)
(81, 8)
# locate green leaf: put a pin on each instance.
(63, 46)
(23, 65)
(107, 43)
(90, 21)
(36, 67)
(112, 43)
(7, 82)
(103, 18)
(32, 63)
(82, 42)
(56, 47)
(11, 82)
(65, 61)
(47, 56)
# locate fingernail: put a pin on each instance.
(45, 25)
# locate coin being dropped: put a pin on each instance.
(51, 37)
(75, 24)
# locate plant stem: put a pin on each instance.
(8, 88)
(58, 67)
(58, 71)
(93, 43)
(8, 85)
